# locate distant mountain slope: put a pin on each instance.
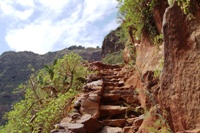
(14, 70)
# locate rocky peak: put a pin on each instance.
(111, 43)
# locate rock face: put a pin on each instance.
(148, 58)
(111, 43)
(180, 93)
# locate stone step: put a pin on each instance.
(106, 72)
(129, 129)
(116, 72)
(110, 98)
(121, 83)
(95, 83)
(106, 97)
(113, 76)
(114, 122)
(117, 69)
(130, 99)
(122, 91)
(93, 78)
(109, 88)
(114, 66)
(110, 110)
(118, 103)
(113, 80)
(70, 127)
(111, 83)
(108, 129)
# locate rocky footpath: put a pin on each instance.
(106, 105)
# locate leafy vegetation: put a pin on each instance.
(76, 47)
(137, 19)
(14, 71)
(189, 6)
(48, 95)
(159, 69)
(114, 58)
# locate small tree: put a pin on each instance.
(48, 96)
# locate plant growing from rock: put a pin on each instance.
(158, 70)
(137, 19)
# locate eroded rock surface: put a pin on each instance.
(112, 43)
(180, 93)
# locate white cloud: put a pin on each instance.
(39, 38)
(95, 10)
(29, 3)
(55, 5)
(52, 29)
(24, 15)
(6, 8)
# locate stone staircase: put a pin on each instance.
(106, 105)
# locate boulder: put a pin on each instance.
(110, 110)
(76, 127)
(108, 129)
(91, 125)
(114, 122)
(66, 119)
(130, 99)
(74, 115)
(129, 129)
(95, 83)
(121, 83)
(106, 97)
(90, 107)
(138, 121)
(94, 97)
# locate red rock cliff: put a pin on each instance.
(179, 92)
(180, 84)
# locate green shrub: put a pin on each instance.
(137, 19)
(48, 96)
(114, 58)
(159, 69)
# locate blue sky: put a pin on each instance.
(50, 25)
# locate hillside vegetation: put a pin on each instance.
(48, 95)
(16, 68)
